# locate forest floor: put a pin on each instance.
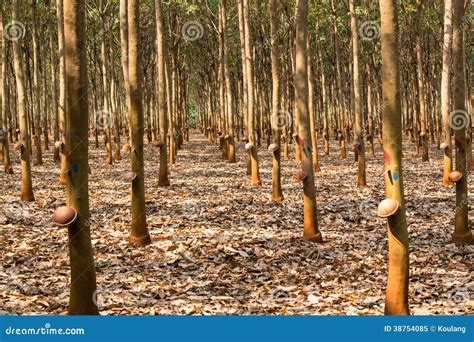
(220, 246)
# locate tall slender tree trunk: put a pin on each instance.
(359, 146)
(250, 95)
(277, 194)
(62, 89)
(462, 232)
(245, 106)
(3, 99)
(163, 173)
(421, 84)
(54, 91)
(311, 230)
(26, 183)
(36, 93)
(83, 278)
(398, 261)
(124, 52)
(311, 109)
(445, 90)
(139, 233)
(228, 87)
(106, 108)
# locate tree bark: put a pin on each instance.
(277, 194)
(83, 278)
(311, 231)
(421, 84)
(445, 90)
(62, 89)
(26, 183)
(36, 89)
(163, 173)
(398, 261)
(255, 180)
(359, 146)
(459, 120)
(139, 233)
(3, 99)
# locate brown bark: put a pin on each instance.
(83, 278)
(3, 99)
(26, 183)
(311, 231)
(398, 261)
(255, 180)
(277, 194)
(62, 89)
(359, 146)
(163, 173)
(139, 233)
(459, 120)
(36, 89)
(445, 90)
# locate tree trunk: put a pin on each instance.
(3, 99)
(36, 93)
(359, 146)
(313, 132)
(83, 278)
(26, 183)
(245, 106)
(62, 89)
(228, 88)
(445, 90)
(139, 233)
(421, 84)
(277, 194)
(250, 95)
(311, 231)
(163, 176)
(398, 260)
(54, 92)
(459, 119)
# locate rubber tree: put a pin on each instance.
(445, 90)
(228, 85)
(311, 230)
(277, 194)
(139, 235)
(459, 121)
(421, 80)
(83, 277)
(359, 147)
(62, 88)
(398, 261)
(163, 118)
(3, 100)
(26, 182)
(255, 180)
(36, 88)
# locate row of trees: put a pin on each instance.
(282, 74)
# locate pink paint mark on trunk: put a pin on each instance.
(386, 157)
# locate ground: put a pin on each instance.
(220, 246)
